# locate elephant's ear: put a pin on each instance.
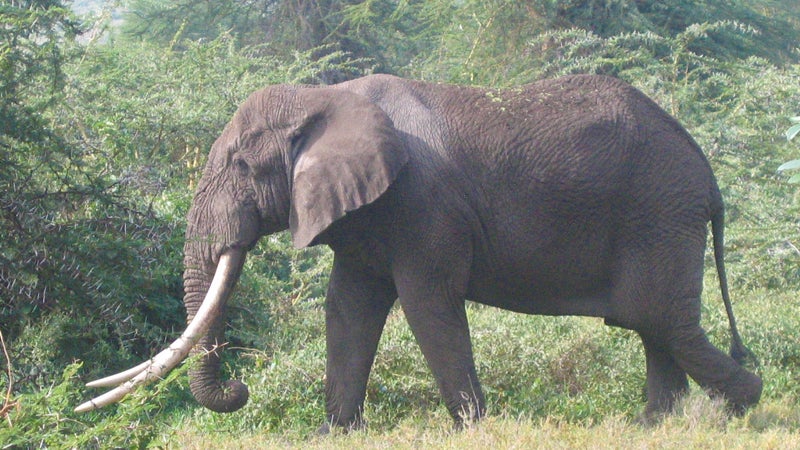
(347, 154)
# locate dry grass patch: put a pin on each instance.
(697, 423)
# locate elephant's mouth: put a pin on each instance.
(227, 273)
(238, 247)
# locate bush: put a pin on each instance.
(93, 186)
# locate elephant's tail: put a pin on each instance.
(739, 352)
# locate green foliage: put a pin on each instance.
(102, 138)
(31, 61)
(276, 28)
(469, 41)
(101, 143)
(66, 215)
(159, 22)
(63, 216)
(572, 371)
(794, 164)
(489, 43)
(44, 418)
(794, 129)
(278, 285)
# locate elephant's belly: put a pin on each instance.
(571, 283)
(543, 301)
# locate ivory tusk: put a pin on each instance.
(230, 264)
(117, 379)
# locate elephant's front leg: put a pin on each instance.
(355, 311)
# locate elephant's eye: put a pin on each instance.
(241, 167)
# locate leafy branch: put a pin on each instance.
(8, 403)
(794, 164)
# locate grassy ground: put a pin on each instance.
(701, 426)
(550, 382)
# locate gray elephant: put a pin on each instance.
(575, 196)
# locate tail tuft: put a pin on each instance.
(741, 354)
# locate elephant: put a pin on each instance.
(569, 196)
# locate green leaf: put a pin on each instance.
(795, 119)
(795, 178)
(792, 132)
(790, 165)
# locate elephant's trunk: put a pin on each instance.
(204, 377)
(202, 320)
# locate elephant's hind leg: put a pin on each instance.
(663, 304)
(666, 381)
(713, 370)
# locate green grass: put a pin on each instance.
(699, 425)
(552, 382)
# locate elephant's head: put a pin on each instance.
(296, 158)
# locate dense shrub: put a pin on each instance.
(100, 146)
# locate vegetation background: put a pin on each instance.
(107, 111)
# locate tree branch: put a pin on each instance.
(8, 404)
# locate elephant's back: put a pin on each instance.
(582, 164)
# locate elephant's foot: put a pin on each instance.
(650, 418)
(659, 408)
(324, 429)
(654, 414)
(330, 426)
(741, 392)
(468, 412)
(713, 370)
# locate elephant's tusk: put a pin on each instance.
(117, 379)
(225, 277)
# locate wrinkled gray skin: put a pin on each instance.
(571, 196)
